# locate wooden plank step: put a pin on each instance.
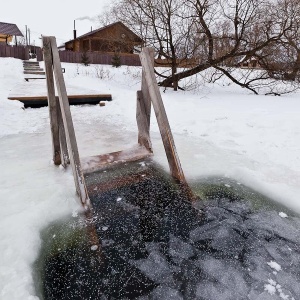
(34, 69)
(34, 72)
(33, 78)
(101, 162)
(40, 101)
(31, 65)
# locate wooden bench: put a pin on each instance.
(40, 101)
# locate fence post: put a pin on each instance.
(51, 101)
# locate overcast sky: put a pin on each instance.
(54, 17)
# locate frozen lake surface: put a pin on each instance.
(156, 244)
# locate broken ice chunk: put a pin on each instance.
(271, 289)
(166, 293)
(94, 247)
(179, 248)
(283, 215)
(274, 265)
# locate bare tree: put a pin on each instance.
(282, 59)
(213, 33)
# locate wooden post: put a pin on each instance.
(143, 111)
(90, 45)
(162, 119)
(143, 120)
(51, 100)
(69, 128)
(65, 160)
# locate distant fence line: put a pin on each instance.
(95, 58)
(20, 52)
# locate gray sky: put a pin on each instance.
(54, 17)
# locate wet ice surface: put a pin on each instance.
(155, 244)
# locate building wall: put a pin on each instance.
(115, 38)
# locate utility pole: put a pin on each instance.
(29, 36)
(26, 36)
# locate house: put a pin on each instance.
(249, 62)
(111, 38)
(7, 31)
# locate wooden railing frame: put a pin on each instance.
(64, 144)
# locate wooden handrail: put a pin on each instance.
(150, 86)
(60, 118)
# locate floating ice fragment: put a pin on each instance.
(274, 265)
(104, 228)
(270, 289)
(283, 296)
(227, 185)
(272, 282)
(142, 164)
(283, 215)
(54, 235)
(119, 199)
(94, 247)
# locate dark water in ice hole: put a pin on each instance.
(157, 245)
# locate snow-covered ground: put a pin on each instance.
(219, 129)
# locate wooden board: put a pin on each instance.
(40, 101)
(34, 72)
(100, 162)
(33, 78)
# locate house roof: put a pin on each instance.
(105, 27)
(9, 29)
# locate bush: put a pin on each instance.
(116, 60)
(85, 59)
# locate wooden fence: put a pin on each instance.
(95, 58)
(20, 52)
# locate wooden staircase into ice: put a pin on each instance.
(64, 143)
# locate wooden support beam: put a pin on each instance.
(161, 116)
(143, 121)
(69, 128)
(143, 112)
(51, 101)
(65, 160)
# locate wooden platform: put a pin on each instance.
(41, 101)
